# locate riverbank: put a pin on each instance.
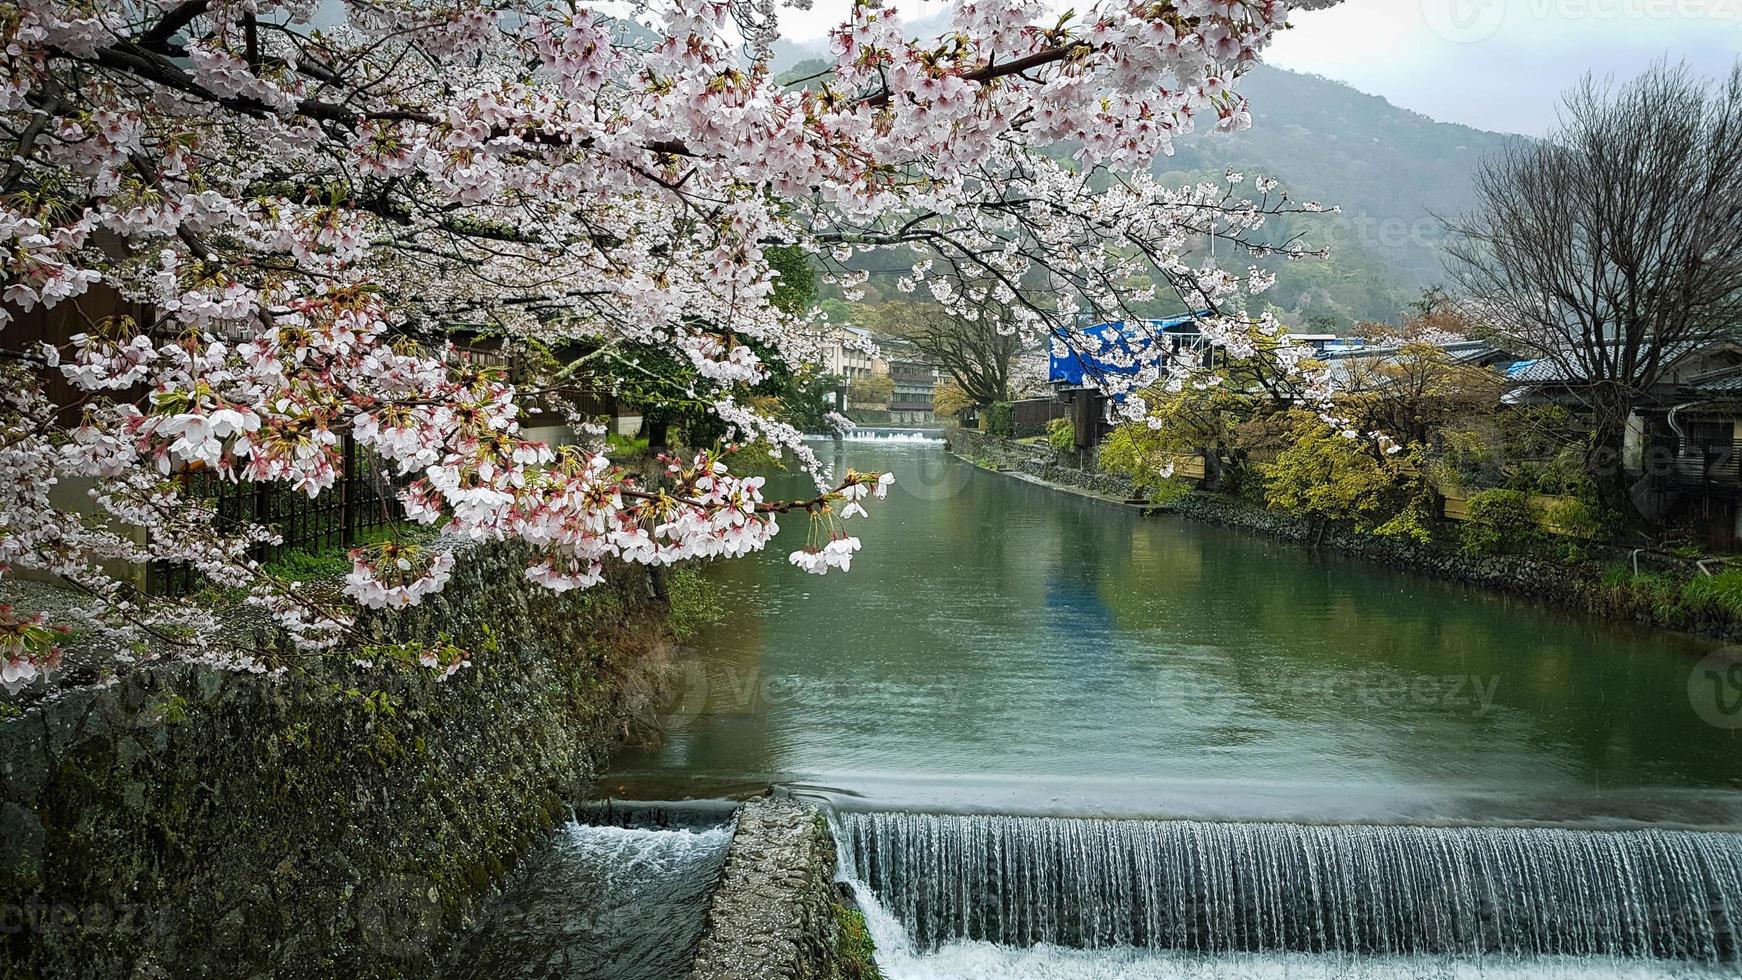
(1649, 596)
(338, 820)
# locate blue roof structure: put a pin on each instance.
(1134, 341)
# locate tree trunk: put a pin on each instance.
(1605, 460)
(657, 429)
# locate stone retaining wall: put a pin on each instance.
(190, 822)
(1068, 467)
(778, 913)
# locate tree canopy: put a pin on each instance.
(314, 200)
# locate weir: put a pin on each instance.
(888, 435)
(617, 894)
(1364, 890)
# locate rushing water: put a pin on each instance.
(999, 646)
(624, 902)
(1387, 892)
(1326, 769)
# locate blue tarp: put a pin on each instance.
(1138, 341)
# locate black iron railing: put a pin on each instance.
(365, 497)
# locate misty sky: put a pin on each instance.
(1493, 64)
(1499, 64)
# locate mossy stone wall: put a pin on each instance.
(190, 822)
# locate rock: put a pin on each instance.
(21, 840)
(777, 914)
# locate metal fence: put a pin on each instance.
(364, 498)
(1710, 466)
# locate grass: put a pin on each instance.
(1718, 593)
(306, 565)
(853, 945)
(1673, 599)
(616, 445)
(695, 602)
(1659, 592)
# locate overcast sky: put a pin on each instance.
(1493, 64)
(1500, 64)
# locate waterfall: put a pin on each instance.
(887, 435)
(1218, 889)
(621, 900)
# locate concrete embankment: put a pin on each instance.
(778, 911)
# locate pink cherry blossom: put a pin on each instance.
(309, 213)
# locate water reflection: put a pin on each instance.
(997, 641)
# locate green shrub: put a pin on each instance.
(1501, 522)
(1720, 593)
(1061, 434)
(1326, 475)
(1000, 419)
(1415, 522)
(1575, 518)
(1140, 454)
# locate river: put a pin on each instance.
(1062, 739)
(1006, 647)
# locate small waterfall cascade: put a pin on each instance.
(887, 435)
(621, 899)
(1196, 888)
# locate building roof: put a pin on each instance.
(1121, 347)
(1723, 382)
(1564, 370)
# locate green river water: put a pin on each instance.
(1000, 646)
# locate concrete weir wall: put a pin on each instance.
(778, 913)
(332, 822)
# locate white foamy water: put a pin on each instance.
(884, 437)
(898, 960)
(603, 903)
(983, 897)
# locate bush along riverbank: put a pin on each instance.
(183, 821)
(1653, 588)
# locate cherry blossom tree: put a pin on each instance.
(312, 197)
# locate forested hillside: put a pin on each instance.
(1390, 170)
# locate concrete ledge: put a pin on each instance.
(777, 914)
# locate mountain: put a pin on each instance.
(1389, 169)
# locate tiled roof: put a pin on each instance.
(1548, 370)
